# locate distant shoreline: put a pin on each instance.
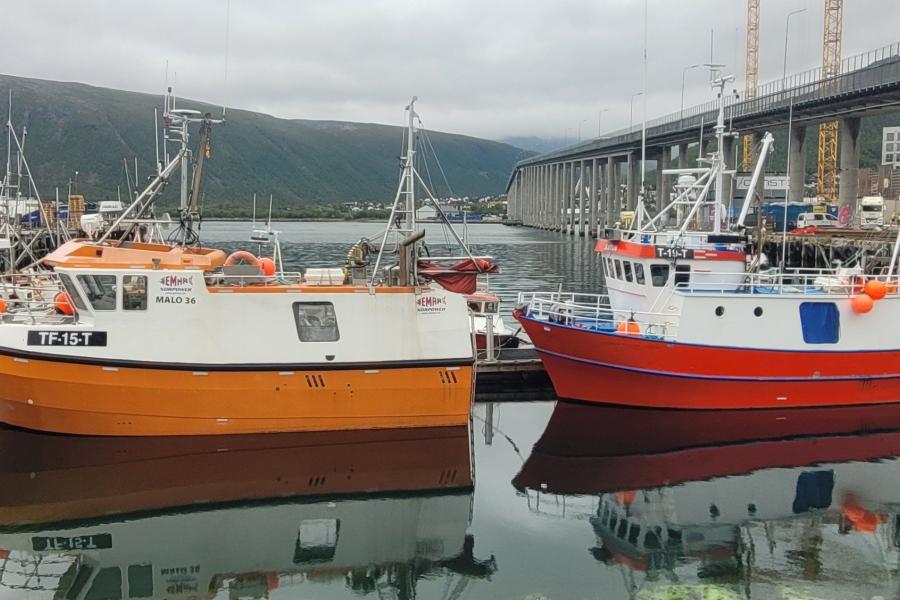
(314, 220)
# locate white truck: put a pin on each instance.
(871, 211)
(813, 219)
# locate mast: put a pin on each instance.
(409, 223)
(720, 165)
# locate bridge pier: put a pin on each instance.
(548, 197)
(559, 198)
(682, 155)
(633, 180)
(581, 183)
(573, 195)
(797, 171)
(662, 181)
(595, 198)
(848, 136)
(614, 203)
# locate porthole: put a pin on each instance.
(720, 310)
(758, 311)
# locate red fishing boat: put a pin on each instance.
(694, 319)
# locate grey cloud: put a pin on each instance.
(485, 68)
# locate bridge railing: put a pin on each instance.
(801, 86)
(857, 73)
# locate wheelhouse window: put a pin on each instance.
(627, 265)
(72, 290)
(639, 273)
(316, 322)
(134, 292)
(618, 269)
(607, 262)
(682, 275)
(659, 275)
(100, 290)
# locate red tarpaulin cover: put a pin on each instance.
(459, 278)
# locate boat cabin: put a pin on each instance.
(641, 273)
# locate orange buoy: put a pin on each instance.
(63, 303)
(862, 304)
(2, 306)
(875, 289)
(628, 328)
(268, 266)
(243, 255)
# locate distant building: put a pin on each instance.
(427, 212)
(890, 146)
(883, 181)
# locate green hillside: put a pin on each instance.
(72, 126)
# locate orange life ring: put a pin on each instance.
(241, 255)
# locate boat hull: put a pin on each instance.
(611, 368)
(98, 399)
(592, 449)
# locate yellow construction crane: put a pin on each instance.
(752, 76)
(828, 132)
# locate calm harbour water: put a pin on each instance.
(564, 500)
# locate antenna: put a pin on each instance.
(269, 222)
(227, 32)
(6, 179)
(156, 138)
(253, 224)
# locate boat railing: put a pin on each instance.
(594, 312)
(253, 279)
(799, 282)
(31, 298)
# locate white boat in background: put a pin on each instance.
(487, 323)
(98, 223)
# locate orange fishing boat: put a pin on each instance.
(135, 336)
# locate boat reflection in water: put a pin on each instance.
(234, 516)
(799, 504)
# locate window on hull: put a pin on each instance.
(316, 322)
(820, 322)
(627, 265)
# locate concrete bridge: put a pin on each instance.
(600, 178)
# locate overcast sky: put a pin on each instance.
(480, 67)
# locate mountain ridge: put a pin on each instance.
(74, 126)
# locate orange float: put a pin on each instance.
(628, 328)
(862, 303)
(875, 289)
(268, 266)
(2, 306)
(63, 303)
